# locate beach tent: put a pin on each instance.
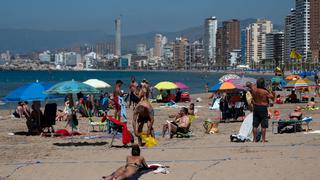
(30, 92)
(96, 83)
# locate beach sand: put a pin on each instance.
(203, 156)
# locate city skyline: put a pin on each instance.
(138, 17)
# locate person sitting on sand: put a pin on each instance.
(180, 124)
(143, 113)
(134, 163)
(278, 99)
(191, 109)
(33, 121)
(311, 104)
(292, 98)
(295, 116)
(19, 111)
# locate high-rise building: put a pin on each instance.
(141, 49)
(289, 38)
(256, 41)
(157, 45)
(118, 37)
(228, 39)
(303, 28)
(104, 48)
(209, 41)
(194, 54)
(315, 30)
(274, 48)
(179, 52)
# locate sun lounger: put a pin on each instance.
(306, 120)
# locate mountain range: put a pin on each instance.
(27, 40)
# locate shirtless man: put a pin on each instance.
(260, 110)
(181, 124)
(132, 90)
(116, 95)
(142, 114)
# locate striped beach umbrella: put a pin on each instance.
(228, 77)
(300, 83)
(222, 86)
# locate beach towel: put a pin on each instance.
(126, 136)
(149, 140)
(245, 130)
(215, 105)
(123, 109)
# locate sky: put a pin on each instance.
(138, 16)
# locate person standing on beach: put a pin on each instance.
(116, 95)
(132, 90)
(261, 98)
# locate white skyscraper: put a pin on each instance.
(303, 28)
(209, 41)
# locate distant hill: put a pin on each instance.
(26, 40)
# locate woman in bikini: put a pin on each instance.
(134, 164)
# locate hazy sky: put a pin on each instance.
(138, 15)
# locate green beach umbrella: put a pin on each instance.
(71, 87)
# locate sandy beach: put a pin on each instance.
(203, 156)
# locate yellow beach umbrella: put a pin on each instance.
(166, 85)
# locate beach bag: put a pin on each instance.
(149, 140)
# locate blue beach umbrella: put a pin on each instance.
(30, 92)
(71, 87)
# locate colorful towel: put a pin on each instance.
(126, 135)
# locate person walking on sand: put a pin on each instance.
(260, 108)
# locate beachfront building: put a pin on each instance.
(70, 59)
(45, 57)
(289, 39)
(141, 49)
(274, 50)
(90, 60)
(234, 58)
(194, 54)
(168, 55)
(303, 28)
(125, 61)
(256, 42)
(179, 53)
(5, 56)
(209, 41)
(228, 40)
(104, 48)
(159, 42)
(315, 30)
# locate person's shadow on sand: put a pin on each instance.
(80, 144)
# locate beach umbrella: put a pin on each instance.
(293, 77)
(96, 83)
(31, 92)
(242, 81)
(71, 87)
(222, 86)
(228, 77)
(300, 83)
(166, 85)
(305, 73)
(180, 85)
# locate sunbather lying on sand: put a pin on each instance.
(134, 164)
